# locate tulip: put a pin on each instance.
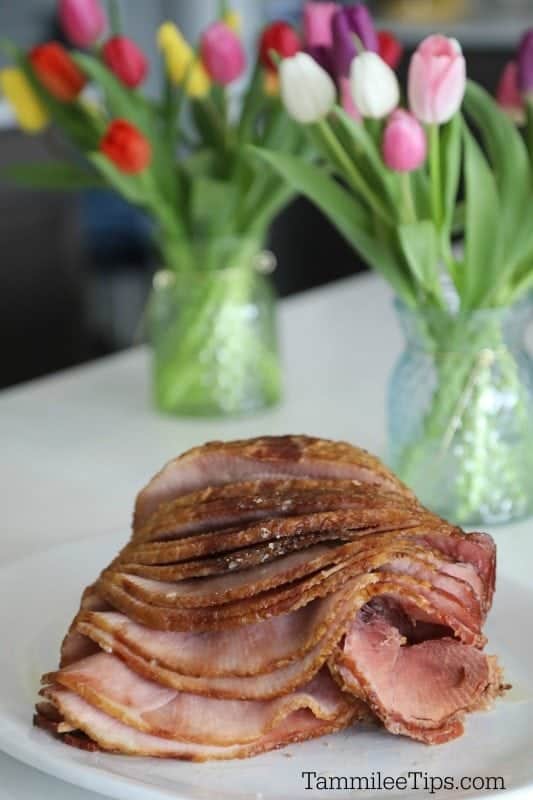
(323, 56)
(279, 38)
(347, 23)
(508, 93)
(437, 80)
(126, 147)
(57, 72)
(390, 49)
(126, 60)
(29, 111)
(404, 142)
(222, 53)
(374, 86)
(525, 63)
(307, 90)
(317, 24)
(182, 65)
(83, 21)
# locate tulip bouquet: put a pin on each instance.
(182, 158)
(398, 182)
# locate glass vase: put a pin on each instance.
(460, 413)
(213, 332)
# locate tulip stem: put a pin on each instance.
(407, 192)
(435, 175)
(345, 163)
(114, 18)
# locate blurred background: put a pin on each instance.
(75, 270)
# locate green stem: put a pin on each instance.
(114, 18)
(407, 193)
(348, 167)
(435, 175)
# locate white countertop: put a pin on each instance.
(76, 447)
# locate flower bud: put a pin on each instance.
(222, 53)
(317, 24)
(28, 109)
(437, 80)
(404, 142)
(508, 95)
(126, 60)
(374, 86)
(307, 90)
(83, 21)
(279, 38)
(181, 63)
(390, 49)
(57, 72)
(126, 147)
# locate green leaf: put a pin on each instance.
(212, 202)
(60, 175)
(483, 239)
(419, 241)
(133, 188)
(509, 157)
(346, 213)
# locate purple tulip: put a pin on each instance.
(525, 63)
(323, 56)
(83, 21)
(346, 22)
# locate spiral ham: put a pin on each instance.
(274, 590)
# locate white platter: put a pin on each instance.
(38, 598)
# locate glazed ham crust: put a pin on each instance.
(274, 590)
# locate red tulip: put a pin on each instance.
(281, 38)
(222, 53)
(126, 60)
(508, 93)
(126, 147)
(83, 21)
(57, 72)
(389, 48)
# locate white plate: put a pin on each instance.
(39, 597)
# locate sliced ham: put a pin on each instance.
(108, 684)
(241, 504)
(421, 690)
(274, 590)
(111, 734)
(219, 463)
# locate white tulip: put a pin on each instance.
(374, 86)
(307, 91)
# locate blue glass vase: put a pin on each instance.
(460, 412)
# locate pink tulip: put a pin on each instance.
(508, 93)
(437, 80)
(83, 21)
(404, 142)
(317, 24)
(126, 60)
(222, 53)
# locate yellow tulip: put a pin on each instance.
(182, 64)
(233, 20)
(30, 112)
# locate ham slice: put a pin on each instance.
(109, 685)
(110, 734)
(241, 504)
(421, 690)
(219, 463)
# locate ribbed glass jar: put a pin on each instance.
(460, 413)
(213, 331)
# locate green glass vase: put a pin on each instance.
(213, 332)
(460, 413)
